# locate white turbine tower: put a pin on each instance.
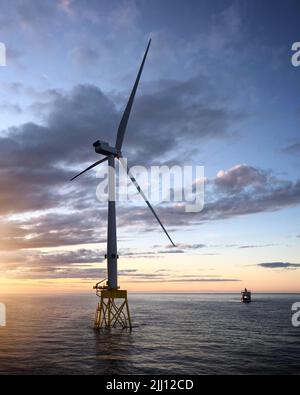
(108, 312)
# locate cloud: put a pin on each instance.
(241, 193)
(37, 159)
(34, 157)
(255, 246)
(32, 15)
(181, 248)
(85, 56)
(38, 96)
(234, 198)
(240, 177)
(279, 265)
(173, 251)
(63, 264)
(184, 246)
(246, 190)
(53, 230)
(292, 149)
(81, 264)
(14, 57)
(81, 256)
(178, 108)
(66, 6)
(124, 16)
(11, 108)
(183, 280)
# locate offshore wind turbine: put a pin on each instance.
(108, 312)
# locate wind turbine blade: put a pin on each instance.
(90, 167)
(125, 117)
(145, 198)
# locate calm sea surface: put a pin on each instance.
(173, 333)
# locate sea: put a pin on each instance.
(172, 334)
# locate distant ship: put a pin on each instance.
(246, 296)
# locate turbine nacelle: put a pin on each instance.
(103, 148)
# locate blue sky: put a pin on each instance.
(218, 90)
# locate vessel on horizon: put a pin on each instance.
(246, 296)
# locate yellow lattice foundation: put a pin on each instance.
(112, 310)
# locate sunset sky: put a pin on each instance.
(218, 90)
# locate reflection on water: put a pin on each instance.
(191, 333)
